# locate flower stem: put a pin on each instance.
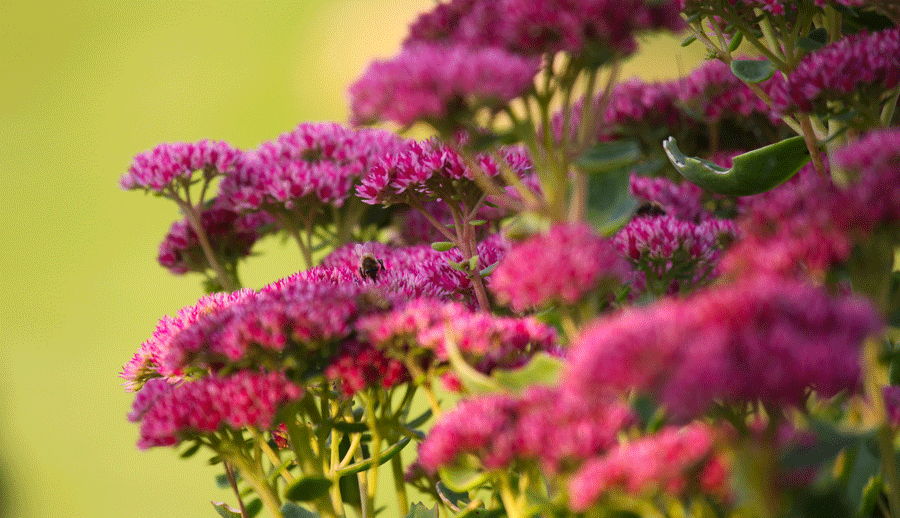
(193, 217)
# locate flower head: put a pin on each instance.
(562, 265)
(764, 338)
(431, 81)
(157, 169)
(170, 413)
(857, 67)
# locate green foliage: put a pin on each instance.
(418, 510)
(752, 71)
(307, 489)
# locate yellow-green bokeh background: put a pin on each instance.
(85, 86)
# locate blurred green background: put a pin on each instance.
(85, 86)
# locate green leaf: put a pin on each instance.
(488, 270)
(543, 369)
(188, 453)
(687, 41)
(253, 507)
(829, 443)
(461, 479)
(473, 262)
(226, 511)
(481, 512)
(291, 510)
(477, 222)
(222, 481)
(815, 40)
(751, 70)
(442, 246)
(419, 421)
(418, 510)
(610, 205)
(605, 157)
(346, 427)
(307, 488)
(752, 173)
(454, 499)
(871, 494)
(736, 42)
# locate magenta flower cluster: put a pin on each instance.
(561, 265)
(764, 338)
(432, 81)
(548, 425)
(315, 161)
(169, 413)
(853, 69)
(484, 340)
(666, 461)
(156, 169)
(534, 27)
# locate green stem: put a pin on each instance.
(400, 484)
(193, 217)
(232, 481)
(257, 481)
(291, 229)
(375, 430)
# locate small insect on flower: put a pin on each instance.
(369, 265)
(650, 209)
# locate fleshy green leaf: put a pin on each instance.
(751, 70)
(736, 42)
(815, 40)
(752, 173)
(188, 453)
(454, 499)
(461, 479)
(687, 41)
(543, 369)
(488, 270)
(610, 205)
(442, 246)
(307, 488)
(222, 481)
(477, 222)
(609, 156)
(253, 507)
(418, 510)
(225, 511)
(292, 510)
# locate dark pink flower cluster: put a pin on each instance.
(432, 81)
(775, 7)
(713, 93)
(534, 27)
(682, 201)
(414, 272)
(426, 170)
(561, 265)
(545, 424)
(158, 168)
(170, 413)
(666, 461)
(800, 228)
(764, 338)
(680, 253)
(359, 366)
(147, 362)
(635, 102)
(230, 235)
(892, 404)
(316, 161)
(484, 339)
(296, 317)
(875, 162)
(860, 67)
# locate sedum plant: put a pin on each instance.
(582, 297)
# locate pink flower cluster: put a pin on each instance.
(485, 340)
(666, 461)
(681, 253)
(863, 65)
(170, 413)
(534, 27)
(561, 265)
(298, 318)
(764, 338)
(875, 162)
(359, 366)
(231, 236)
(430, 82)
(429, 170)
(682, 201)
(158, 168)
(545, 424)
(148, 361)
(316, 162)
(714, 93)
